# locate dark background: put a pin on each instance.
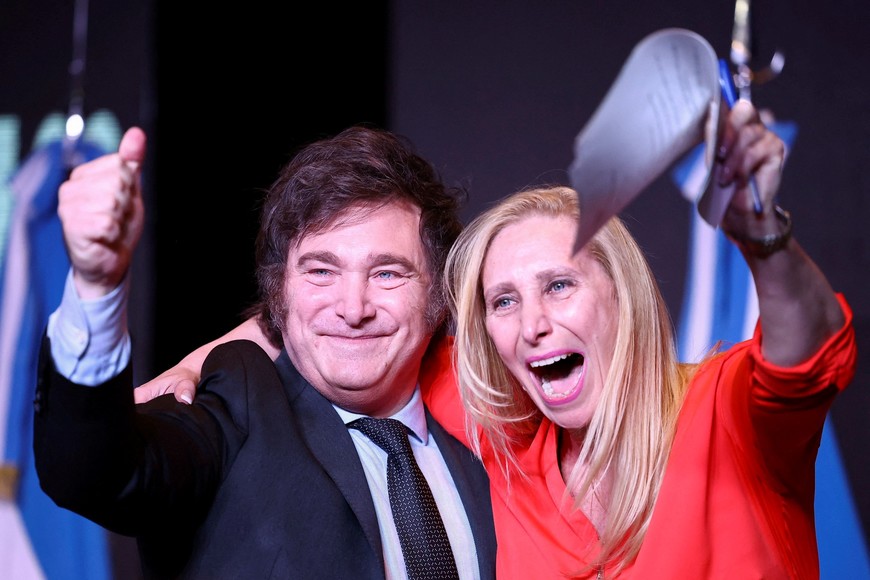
(492, 92)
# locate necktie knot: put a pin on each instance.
(388, 434)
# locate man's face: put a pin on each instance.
(357, 296)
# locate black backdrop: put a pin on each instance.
(237, 92)
(492, 92)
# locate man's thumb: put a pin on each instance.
(132, 147)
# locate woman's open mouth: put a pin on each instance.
(559, 377)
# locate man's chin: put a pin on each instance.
(366, 397)
(351, 380)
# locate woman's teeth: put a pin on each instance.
(549, 361)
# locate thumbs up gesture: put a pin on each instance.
(101, 210)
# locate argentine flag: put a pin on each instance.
(38, 540)
(719, 303)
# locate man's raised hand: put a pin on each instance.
(101, 209)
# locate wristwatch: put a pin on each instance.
(766, 245)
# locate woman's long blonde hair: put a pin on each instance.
(630, 433)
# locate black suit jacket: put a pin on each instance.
(259, 478)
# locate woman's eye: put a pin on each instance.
(503, 303)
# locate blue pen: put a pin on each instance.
(729, 94)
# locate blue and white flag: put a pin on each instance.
(37, 539)
(720, 304)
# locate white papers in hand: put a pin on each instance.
(664, 101)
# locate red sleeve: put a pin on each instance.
(833, 365)
(779, 412)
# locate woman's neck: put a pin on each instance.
(594, 502)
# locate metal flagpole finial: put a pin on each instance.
(741, 54)
(75, 123)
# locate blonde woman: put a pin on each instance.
(605, 454)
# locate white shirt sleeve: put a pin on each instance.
(90, 342)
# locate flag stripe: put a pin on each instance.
(67, 546)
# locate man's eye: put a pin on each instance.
(386, 275)
(559, 286)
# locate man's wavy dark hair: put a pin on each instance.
(360, 166)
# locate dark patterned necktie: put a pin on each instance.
(425, 546)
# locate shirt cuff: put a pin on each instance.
(90, 342)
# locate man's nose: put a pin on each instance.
(355, 304)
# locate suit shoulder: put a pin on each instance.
(241, 348)
(238, 356)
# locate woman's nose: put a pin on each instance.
(535, 321)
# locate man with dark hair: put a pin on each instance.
(261, 476)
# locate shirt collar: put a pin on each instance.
(412, 415)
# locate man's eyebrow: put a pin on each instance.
(389, 259)
(373, 260)
(318, 256)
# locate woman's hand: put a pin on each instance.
(182, 379)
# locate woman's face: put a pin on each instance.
(552, 316)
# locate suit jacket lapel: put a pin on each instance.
(331, 444)
(469, 484)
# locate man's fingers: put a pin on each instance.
(101, 210)
(95, 229)
(107, 175)
(102, 165)
(78, 200)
